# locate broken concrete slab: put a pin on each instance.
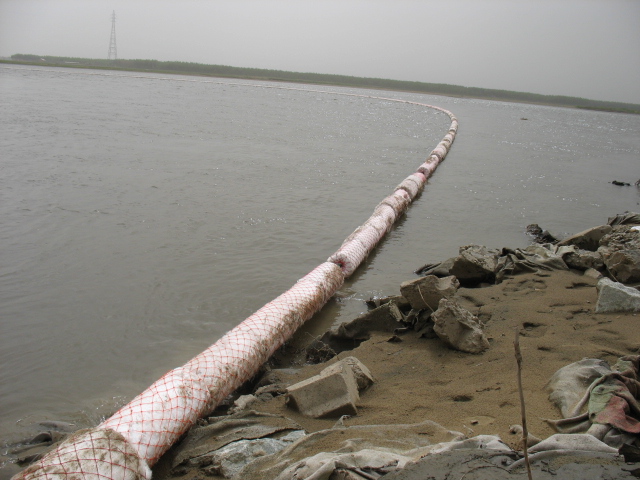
(363, 376)
(475, 264)
(330, 395)
(459, 328)
(616, 297)
(426, 292)
(587, 239)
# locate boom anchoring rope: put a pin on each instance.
(128, 444)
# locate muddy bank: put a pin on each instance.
(420, 378)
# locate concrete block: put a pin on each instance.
(331, 395)
(361, 373)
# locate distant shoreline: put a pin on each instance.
(222, 71)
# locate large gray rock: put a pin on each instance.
(475, 264)
(459, 328)
(584, 260)
(624, 265)
(616, 297)
(332, 393)
(588, 239)
(426, 292)
(622, 237)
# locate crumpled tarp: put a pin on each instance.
(532, 259)
(479, 264)
(613, 406)
(371, 449)
(484, 457)
(221, 431)
(568, 385)
(628, 218)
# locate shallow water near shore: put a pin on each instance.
(143, 216)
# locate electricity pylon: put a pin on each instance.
(113, 51)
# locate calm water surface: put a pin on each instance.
(143, 216)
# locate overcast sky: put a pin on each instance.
(584, 48)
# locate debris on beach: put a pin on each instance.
(334, 392)
(608, 408)
(459, 328)
(443, 315)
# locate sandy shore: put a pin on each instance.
(420, 379)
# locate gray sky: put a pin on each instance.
(584, 48)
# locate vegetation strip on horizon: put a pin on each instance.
(190, 68)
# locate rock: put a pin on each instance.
(475, 264)
(426, 292)
(375, 302)
(624, 265)
(584, 259)
(363, 376)
(458, 328)
(623, 237)
(330, 395)
(539, 235)
(592, 273)
(615, 297)
(588, 239)
(348, 336)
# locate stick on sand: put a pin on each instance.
(525, 433)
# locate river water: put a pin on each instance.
(142, 216)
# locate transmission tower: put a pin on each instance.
(113, 51)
